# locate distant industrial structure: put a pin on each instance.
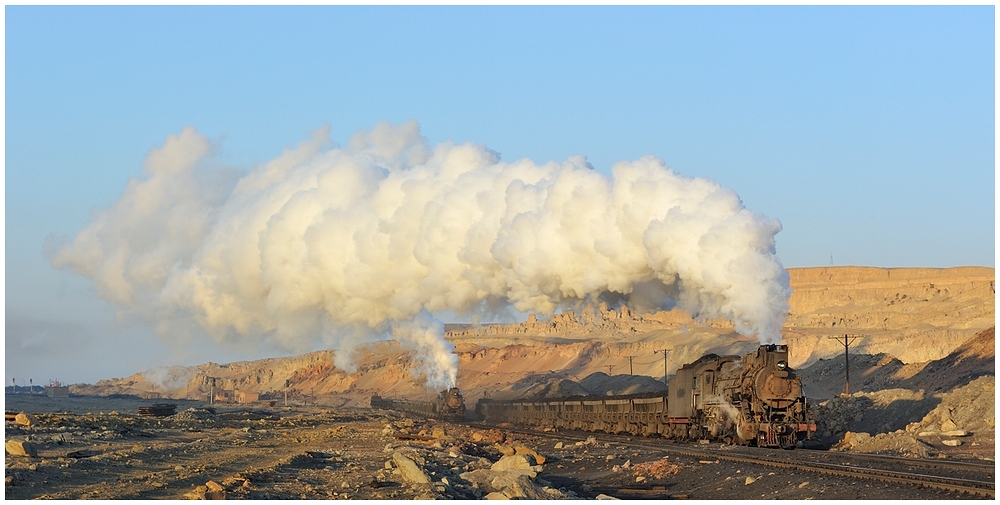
(56, 390)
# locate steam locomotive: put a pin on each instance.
(449, 405)
(753, 400)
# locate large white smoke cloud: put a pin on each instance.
(342, 245)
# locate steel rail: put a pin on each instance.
(973, 466)
(975, 487)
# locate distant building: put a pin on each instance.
(151, 395)
(246, 396)
(57, 391)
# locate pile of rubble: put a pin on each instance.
(483, 466)
(912, 423)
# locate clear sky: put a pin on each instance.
(867, 131)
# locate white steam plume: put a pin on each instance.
(341, 245)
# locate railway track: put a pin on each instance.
(960, 485)
(968, 478)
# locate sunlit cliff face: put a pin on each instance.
(343, 245)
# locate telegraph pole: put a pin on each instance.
(609, 369)
(848, 340)
(664, 351)
(630, 365)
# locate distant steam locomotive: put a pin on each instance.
(449, 405)
(753, 400)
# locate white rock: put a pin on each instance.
(955, 433)
(515, 462)
(409, 469)
(750, 480)
(952, 443)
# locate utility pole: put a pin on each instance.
(630, 365)
(664, 351)
(848, 340)
(609, 368)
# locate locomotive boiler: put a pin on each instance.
(755, 399)
(449, 405)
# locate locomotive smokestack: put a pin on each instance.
(337, 246)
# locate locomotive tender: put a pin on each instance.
(449, 405)
(753, 400)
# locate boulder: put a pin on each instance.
(481, 479)
(26, 419)
(519, 486)
(952, 443)
(852, 439)
(20, 448)
(197, 494)
(409, 469)
(505, 479)
(955, 433)
(515, 462)
(496, 496)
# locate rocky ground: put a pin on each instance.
(941, 408)
(203, 451)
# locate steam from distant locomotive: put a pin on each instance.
(337, 246)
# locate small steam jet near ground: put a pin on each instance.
(346, 245)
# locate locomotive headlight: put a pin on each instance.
(782, 365)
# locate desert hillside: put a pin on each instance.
(906, 316)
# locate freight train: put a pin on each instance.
(449, 405)
(751, 400)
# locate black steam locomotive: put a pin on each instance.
(449, 405)
(753, 400)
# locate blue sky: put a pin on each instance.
(868, 131)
